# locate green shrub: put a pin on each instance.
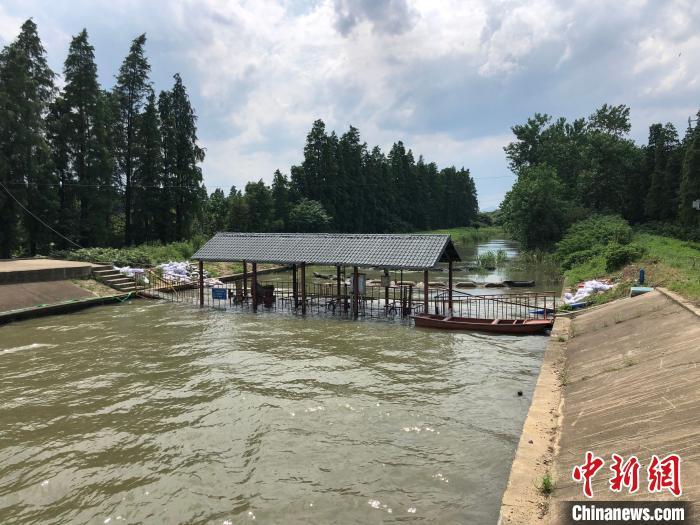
(590, 269)
(135, 256)
(599, 230)
(617, 256)
(580, 257)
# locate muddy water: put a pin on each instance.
(161, 413)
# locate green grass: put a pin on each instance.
(141, 255)
(546, 484)
(668, 262)
(672, 263)
(468, 234)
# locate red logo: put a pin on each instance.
(665, 474)
(586, 472)
(662, 474)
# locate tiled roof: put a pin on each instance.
(409, 251)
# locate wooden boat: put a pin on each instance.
(499, 326)
(519, 284)
(465, 284)
(324, 276)
(494, 285)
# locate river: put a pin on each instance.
(153, 412)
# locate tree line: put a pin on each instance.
(568, 171)
(342, 185)
(89, 166)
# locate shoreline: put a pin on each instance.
(602, 376)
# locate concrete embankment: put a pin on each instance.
(36, 287)
(621, 378)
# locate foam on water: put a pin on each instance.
(32, 346)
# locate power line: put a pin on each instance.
(37, 218)
(166, 187)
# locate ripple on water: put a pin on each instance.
(163, 410)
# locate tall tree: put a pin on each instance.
(281, 199)
(534, 209)
(690, 181)
(186, 175)
(258, 198)
(89, 161)
(216, 212)
(149, 206)
(662, 163)
(131, 90)
(26, 91)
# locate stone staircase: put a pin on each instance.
(106, 274)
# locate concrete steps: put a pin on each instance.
(106, 274)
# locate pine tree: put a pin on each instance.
(148, 175)
(351, 187)
(187, 175)
(168, 147)
(216, 212)
(690, 182)
(281, 199)
(26, 91)
(131, 90)
(237, 212)
(663, 141)
(85, 134)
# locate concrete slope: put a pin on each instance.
(25, 295)
(631, 386)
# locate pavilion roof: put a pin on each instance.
(396, 251)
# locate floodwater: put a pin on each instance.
(546, 278)
(154, 412)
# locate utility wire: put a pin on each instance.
(37, 218)
(167, 186)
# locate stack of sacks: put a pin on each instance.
(176, 272)
(585, 289)
(138, 274)
(185, 273)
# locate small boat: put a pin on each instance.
(436, 284)
(494, 285)
(327, 277)
(519, 284)
(542, 311)
(404, 283)
(499, 326)
(465, 284)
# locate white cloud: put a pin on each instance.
(448, 78)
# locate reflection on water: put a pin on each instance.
(162, 413)
(546, 278)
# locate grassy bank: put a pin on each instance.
(668, 262)
(468, 234)
(135, 256)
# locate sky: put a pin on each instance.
(448, 78)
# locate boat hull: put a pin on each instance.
(519, 284)
(499, 326)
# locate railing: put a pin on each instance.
(524, 305)
(379, 302)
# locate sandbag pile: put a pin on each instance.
(185, 273)
(585, 289)
(138, 274)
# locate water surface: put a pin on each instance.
(153, 412)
